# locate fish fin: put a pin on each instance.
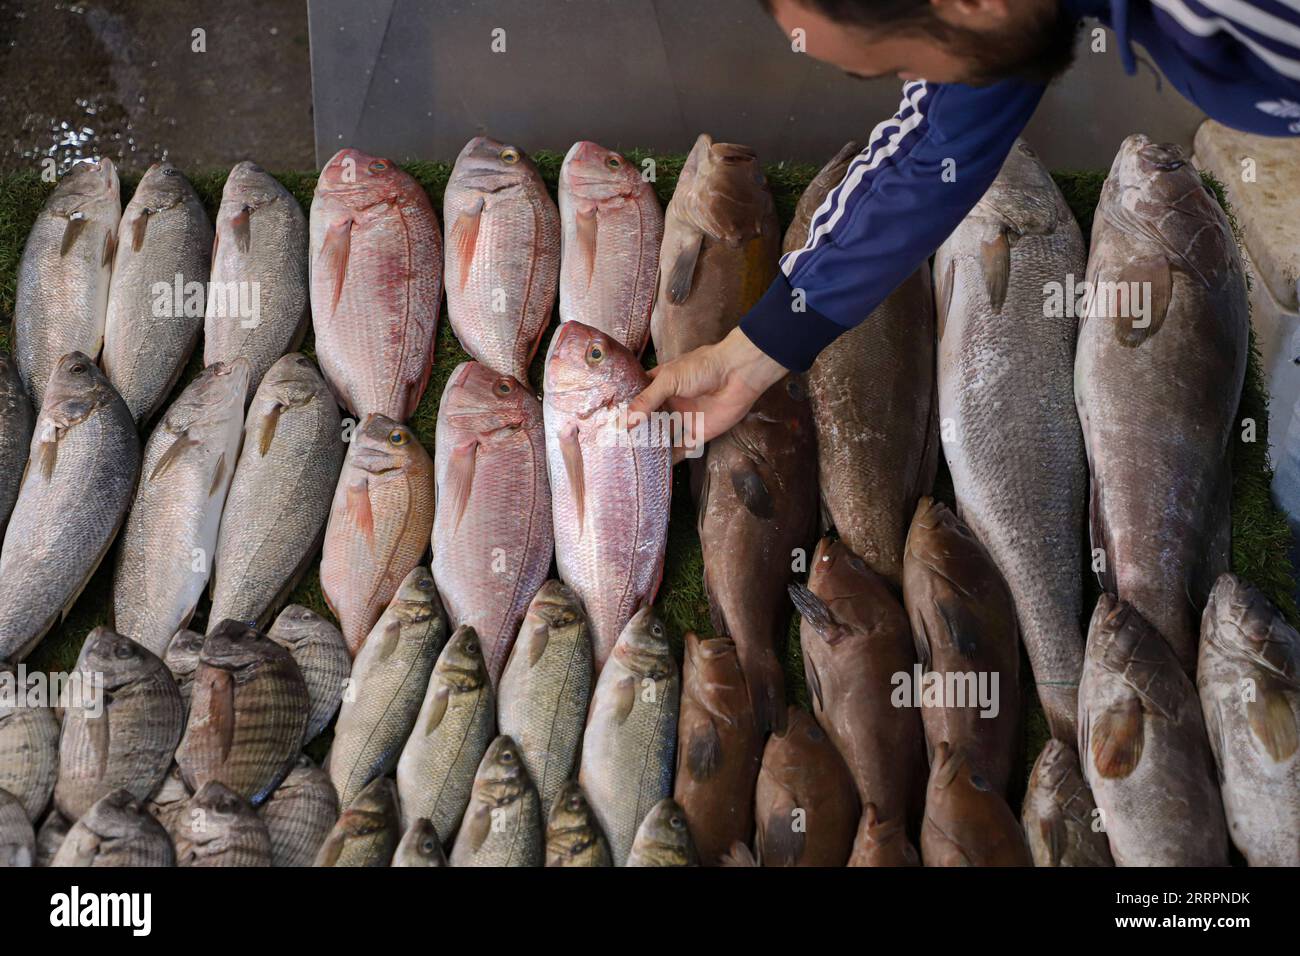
(738, 855)
(814, 681)
(269, 425)
(1148, 272)
(239, 228)
(963, 627)
(464, 239)
(139, 226)
(682, 273)
(358, 508)
(71, 233)
(944, 285)
(221, 709)
(995, 262)
(1100, 536)
(624, 699)
(478, 827)
(1052, 830)
(441, 696)
(921, 642)
(460, 479)
(218, 475)
(815, 611)
(571, 450)
(1117, 739)
(586, 229)
(330, 851)
(172, 455)
(1272, 722)
(1214, 733)
(537, 642)
(335, 251)
(752, 491)
(704, 751)
(45, 459)
(779, 843)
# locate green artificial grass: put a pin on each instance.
(1260, 532)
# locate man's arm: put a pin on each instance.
(920, 174)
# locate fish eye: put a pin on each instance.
(471, 646)
(428, 845)
(378, 166)
(614, 163)
(76, 368)
(397, 437)
(979, 783)
(676, 822)
(509, 155)
(595, 354)
(503, 387)
(657, 629)
(304, 361)
(575, 803)
(507, 756)
(123, 651)
(857, 564)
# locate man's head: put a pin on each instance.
(944, 41)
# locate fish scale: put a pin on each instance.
(29, 750)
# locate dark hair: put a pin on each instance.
(869, 13)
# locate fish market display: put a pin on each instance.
(16, 421)
(388, 683)
(248, 711)
(280, 494)
(164, 239)
(376, 284)
(116, 831)
(758, 507)
(1157, 380)
(420, 846)
(805, 802)
(1143, 747)
(719, 748)
(379, 524)
(258, 306)
(663, 839)
(609, 488)
(181, 655)
(49, 838)
(492, 534)
(220, 828)
(967, 822)
(503, 822)
(17, 838)
(856, 639)
(121, 733)
(456, 722)
(367, 832)
(1060, 817)
(1006, 391)
(1246, 643)
(543, 694)
(964, 627)
(810, 202)
(503, 255)
(612, 228)
(63, 276)
(318, 648)
(300, 814)
(170, 535)
(573, 836)
(29, 745)
(720, 248)
(631, 736)
(85, 458)
(882, 842)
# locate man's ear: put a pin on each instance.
(973, 14)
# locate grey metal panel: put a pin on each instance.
(417, 78)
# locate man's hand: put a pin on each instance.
(720, 382)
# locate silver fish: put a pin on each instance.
(664, 838)
(322, 655)
(182, 658)
(367, 832)
(300, 814)
(503, 822)
(420, 846)
(29, 744)
(116, 831)
(220, 828)
(16, 420)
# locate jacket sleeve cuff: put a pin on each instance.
(791, 337)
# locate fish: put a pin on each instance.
(181, 655)
(170, 536)
(611, 229)
(664, 838)
(75, 492)
(720, 248)
(456, 722)
(757, 516)
(492, 532)
(164, 240)
(967, 643)
(220, 828)
(882, 842)
(50, 836)
(29, 742)
(740, 855)
(610, 489)
(1248, 680)
(719, 748)
(367, 831)
(16, 422)
(967, 822)
(116, 831)
(420, 846)
(856, 640)
(280, 495)
(63, 275)
(17, 838)
(502, 255)
(876, 420)
(545, 690)
(1060, 817)
(573, 836)
(1013, 443)
(629, 745)
(169, 801)
(248, 713)
(389, 680)
(300, 814)
(1143, 746)
(1160, 499)
(379, 524)
(320, 652)
(258, 306)
(805, 803)
(503, 822)
(122, 729)
(814, 195)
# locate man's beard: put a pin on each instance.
(1039, 51)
